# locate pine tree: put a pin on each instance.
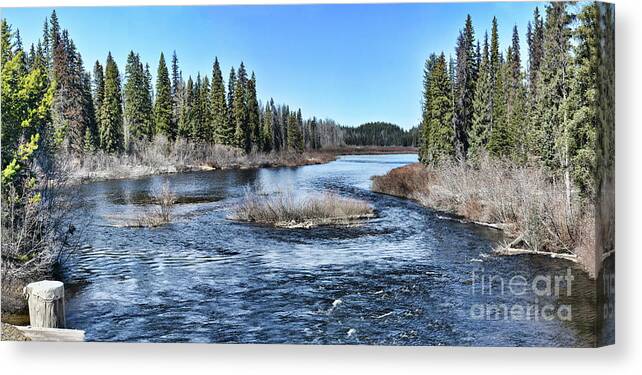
(253, 119)
(71, 110)
(138, 114)
(242, 135)
(163, 103)
(535, 38)
(111, 116)
(425, 105)
(295, 138)
(6, 50)
(464, 87)
(220, 124)
(98, 95)
(516, 100)
(268, 127)
(501, 139)
(550, 131)
(582, 102)
(439, 132)
(188, 116)
(231, 85)
(176, 88)
(482, 106)
(204, 132)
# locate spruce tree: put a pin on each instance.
(582, 102)
(231, 85)
(176, 88)
(220, 124)
(464, 87)
(535, 38)
(138, 116)
(548, 132)
(187, 124)
(295, 138)
(253, 119)
(268, 127)
(439, 131)
(425, 104)
(482, 106)
(242, 135)
(163, 103)
(111, 115)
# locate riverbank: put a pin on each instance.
(161, 156)
(520, 201)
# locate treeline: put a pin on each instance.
(379, 134)
(549, 109)
(107, 110)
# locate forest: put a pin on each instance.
(543, 109)
(524, 143)
(379, 134)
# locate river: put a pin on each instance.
(408, 277)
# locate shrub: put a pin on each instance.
(286, 209)
(529, 203)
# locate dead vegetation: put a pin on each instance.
(284, 209)
(530, 206)
(160, 212)
(162, 156)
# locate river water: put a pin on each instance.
(409, 277)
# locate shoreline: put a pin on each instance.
(81, 175)
(414, 182)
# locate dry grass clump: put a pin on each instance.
(161, 156)
(287, 210)
(161, 212)
(527, 201)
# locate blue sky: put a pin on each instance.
(353, 63)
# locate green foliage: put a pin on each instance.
(111, 115)
(254, 121)
(438, 131)
(295, 137)
(377, 134)
(220, 125)
(26, 114)
(240, 112)
(138, 106)
(163, 104)
(482, 107)
(464, 88)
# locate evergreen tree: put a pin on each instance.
(98, 95)
(163, 103)
(138, 114)
(268, 127)
(72, 112)
(464, 87)
(254, 123)
(295, 138)
(535, 38)
(242, 134)
(501, 140)
(176, 88)
(188, 117)
(6, 49)
(582, 102)
(231, 85)
(220, 124)
(111, 116)
(425, 104)
(439, 132)
(482, 106)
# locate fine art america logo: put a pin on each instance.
(538, 297)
